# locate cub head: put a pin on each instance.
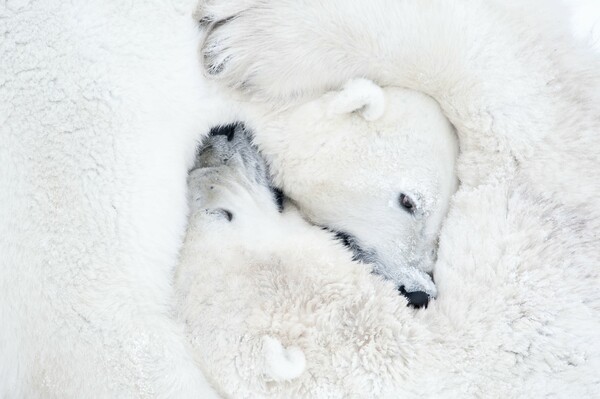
(374, 165)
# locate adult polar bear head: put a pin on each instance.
(375, 165)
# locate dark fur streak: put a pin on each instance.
(279, 197)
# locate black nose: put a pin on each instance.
(227, 130)
(416, 299)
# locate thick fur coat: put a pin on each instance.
(101, 108)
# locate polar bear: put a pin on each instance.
(276, 308)
(272, 305)
(375, 166)
(524, 99)
(101, 107)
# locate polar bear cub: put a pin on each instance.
(375, 165)
(272, 305)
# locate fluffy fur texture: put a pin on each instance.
(101, 107)
(348, 159)
(518, 266)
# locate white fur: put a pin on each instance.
(101, 108)
(517, 272)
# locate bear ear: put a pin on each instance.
(359, 95)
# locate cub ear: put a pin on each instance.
(359, 95)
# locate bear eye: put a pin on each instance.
(407, 203)
(224, 213)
